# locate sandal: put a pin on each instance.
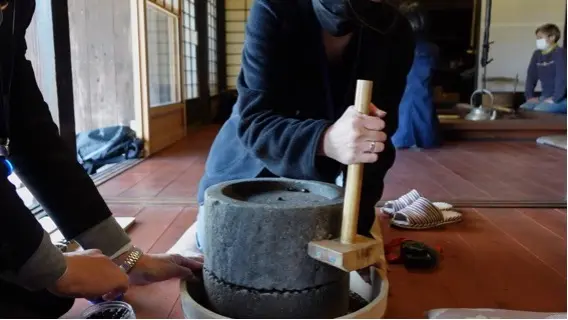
(405, 200)
(423, 214)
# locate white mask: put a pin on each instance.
(541, 44)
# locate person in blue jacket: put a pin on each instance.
(294, 117)
(418, 122)
(547, 65)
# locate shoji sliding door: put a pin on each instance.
(159, 78)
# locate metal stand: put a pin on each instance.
(485, 60)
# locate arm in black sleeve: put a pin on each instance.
(287, 146)
(50, 170)
(27, 256)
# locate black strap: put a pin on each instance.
(5, 89)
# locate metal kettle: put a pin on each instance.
(481, 113)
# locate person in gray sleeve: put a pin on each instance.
(37, 280)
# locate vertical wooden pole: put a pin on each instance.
(63, 72)
(355, 172)
(140, 72)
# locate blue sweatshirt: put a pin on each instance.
(287, 99)
(550, 69)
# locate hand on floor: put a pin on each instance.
(161, 267)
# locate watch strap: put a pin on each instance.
(131, 259)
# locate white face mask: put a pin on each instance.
(541, 44)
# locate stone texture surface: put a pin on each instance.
(323, 302)
(257, 232)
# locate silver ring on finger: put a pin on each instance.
(372, 146)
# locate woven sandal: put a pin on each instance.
(405, 200)
(423, 214)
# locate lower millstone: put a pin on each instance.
(324, 302)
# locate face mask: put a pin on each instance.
(541, 44)
(333, 16)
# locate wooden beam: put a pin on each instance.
(201, 16)
(140, 72)
(221, 47)
(456, 203)
(63, 72)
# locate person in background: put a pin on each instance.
(418, 122)
(37, 280)
(547, 65)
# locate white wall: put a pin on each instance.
(513, 23)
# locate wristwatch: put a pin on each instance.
(131, 259)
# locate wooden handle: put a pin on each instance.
(363, 95)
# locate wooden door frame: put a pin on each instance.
(63, 72)
(146, 115)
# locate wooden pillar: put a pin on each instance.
(63, 72)
(201, 16)
(221, 47)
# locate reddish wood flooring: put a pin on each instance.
(495, 258)
(458, 171)
(499, 258)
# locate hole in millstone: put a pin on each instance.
(292, 189)
(293, 193)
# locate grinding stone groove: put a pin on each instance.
(261, 243)
(261, 291)
(325, 302)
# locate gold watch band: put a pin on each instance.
(131, 259)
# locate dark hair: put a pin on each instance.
(550, 30)
(416, 16)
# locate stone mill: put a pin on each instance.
(256, 263)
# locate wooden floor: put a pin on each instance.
(481, 171)
(458, 171)
(495, 258)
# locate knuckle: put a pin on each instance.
(357, 134)
(376, 136)
(357, 121)
(350, 159)
(350, 112)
